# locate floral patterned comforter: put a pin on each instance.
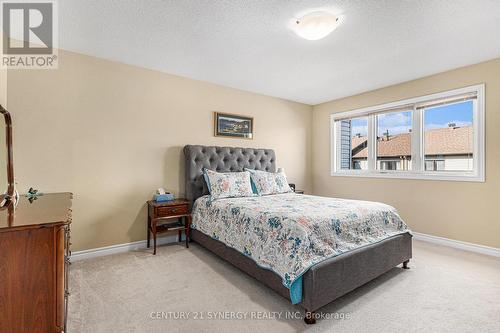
(288, 233)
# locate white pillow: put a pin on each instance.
(228, 184)
(270, 182)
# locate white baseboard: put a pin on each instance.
(120, 248)
(471, 247)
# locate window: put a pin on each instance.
(394, 140)
(449, 134)
(352, 143)
(434, 165)
(440, 136)
(390, 165)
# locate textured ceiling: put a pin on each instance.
(247, 44)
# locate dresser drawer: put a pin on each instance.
(171, 211)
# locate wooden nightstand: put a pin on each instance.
(161, 214)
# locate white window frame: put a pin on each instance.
(418, 167)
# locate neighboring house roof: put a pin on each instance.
(449, 141)
(441, 141)
(357, 140)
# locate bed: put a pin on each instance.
(336, 274)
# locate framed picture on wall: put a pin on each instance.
(232, 125)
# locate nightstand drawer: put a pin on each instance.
(170, 211)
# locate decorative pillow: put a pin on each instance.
(270, 183)
(228, 184)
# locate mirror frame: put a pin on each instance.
(10, 194)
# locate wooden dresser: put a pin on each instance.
(34, 260)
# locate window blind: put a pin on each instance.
(448, 100)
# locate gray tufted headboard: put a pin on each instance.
(221, 159)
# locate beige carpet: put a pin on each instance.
(445, 290)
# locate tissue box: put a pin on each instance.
(164, 197)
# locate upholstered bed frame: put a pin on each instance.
(325, 281)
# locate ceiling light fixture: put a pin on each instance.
(316, 25)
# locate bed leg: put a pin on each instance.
(310, 318)
(405, 264)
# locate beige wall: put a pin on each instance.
(3, 150)
(3, 80)
(3, 87)
(456, 210)
(112, 134)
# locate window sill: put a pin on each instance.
(449, 176)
